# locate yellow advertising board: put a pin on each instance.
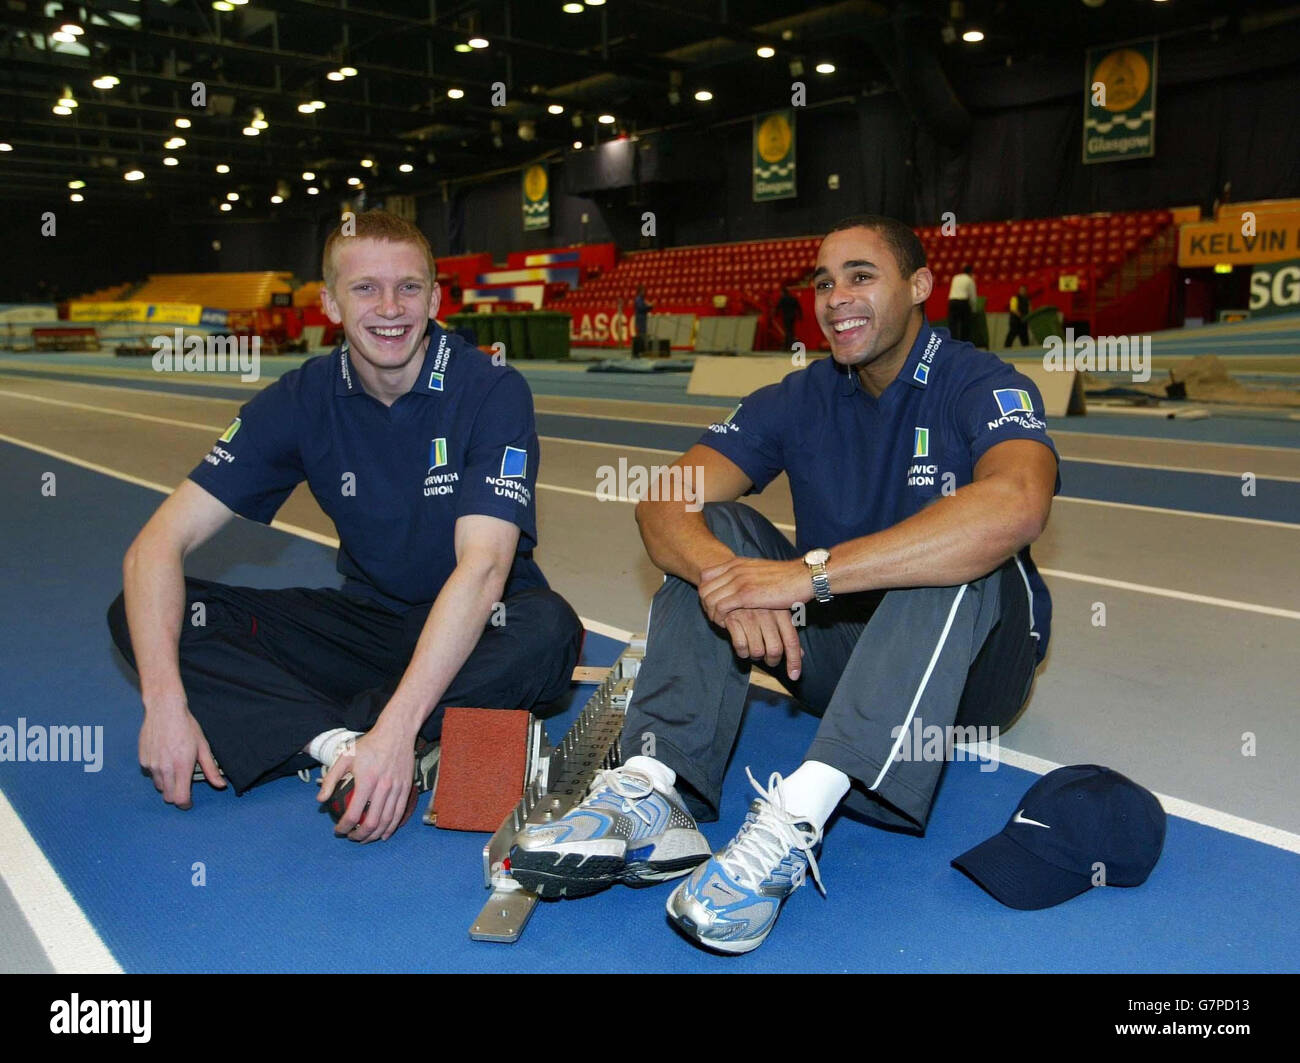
(108, 311)
(1244, 241)
(176, 313)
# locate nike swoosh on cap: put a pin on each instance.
(1020, 818)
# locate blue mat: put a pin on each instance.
(282, 894)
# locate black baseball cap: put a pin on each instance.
(1070, 821)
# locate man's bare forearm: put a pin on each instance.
(679, 541)
(959, 538)
(153, 583)
(451, 631)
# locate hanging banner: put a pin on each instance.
(1119, 102)
(774, 176)
(537, 197)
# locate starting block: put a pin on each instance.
(560, 782)
(490, 757)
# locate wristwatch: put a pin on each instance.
(816, 562)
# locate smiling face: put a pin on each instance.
(383, 296)
(868, 310)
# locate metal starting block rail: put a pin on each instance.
(590, 745)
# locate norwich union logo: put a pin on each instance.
(438, 453)
(229, 433)
(921, 447)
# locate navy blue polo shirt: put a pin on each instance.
(394, 479)
(859, 464)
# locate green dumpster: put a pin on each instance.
(548, 334)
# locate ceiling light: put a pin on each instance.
(307, 175)
(478, 42)
(6, 146)
(455, 94)
(171, 160)
(462, 47)
(703, 95)
(354, 180)
(367, 162)
(594, 3)
(222, 5)
(222, 168)
(318, 105)
(133, 175)
(67, 99)
(233, 197)
(825, 68)
(182, 123)
(606, 119)
(105, 82)
(239, 3)
(973, 36)
(226, 206)
(555, 108)
(572, 9)
(76, 184)
(277, 199)
(766, 52)
(63, 37)
(348, 71)
(313, 191)
(174, 142)
(73, 28)
(260, 123)
(334, 75)
(406, 167)
(306, 108)
(577, 145)
(59, 109)
(77, 197)
(251, 131)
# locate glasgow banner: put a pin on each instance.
(1119, 102)
(537, 197)
(774, 162)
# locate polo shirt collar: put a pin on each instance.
(430, 381)
(915, 371)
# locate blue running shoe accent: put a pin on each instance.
(731, 902)
(625, 831)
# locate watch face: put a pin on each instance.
(817, 557)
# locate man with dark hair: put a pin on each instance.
(788, 307)
(424, 454)
(961, 303)
(920, 470)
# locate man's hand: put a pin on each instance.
(752, 583)
(766, 635)
(382, 764)
(171, 743)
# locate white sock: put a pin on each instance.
(813, 791)
(328, 745)
(661, 775)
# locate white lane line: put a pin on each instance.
(66, 935)
(1174, 806)
(662, 450)
(1293, 451)
(1224, 821)
(1236, 475)
(1164, 592)
(1177, 512)
(1079, 577)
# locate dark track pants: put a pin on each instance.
(959, 318)
(271, 669)
(872, 663)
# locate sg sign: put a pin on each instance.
(1275, 288)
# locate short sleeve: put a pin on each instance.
(255, 463)
(751, 436)
(501, 459)
(1000, 405)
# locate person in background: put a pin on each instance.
(641, 310)
(790, 310)
(961, 301)
(1018, 324)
